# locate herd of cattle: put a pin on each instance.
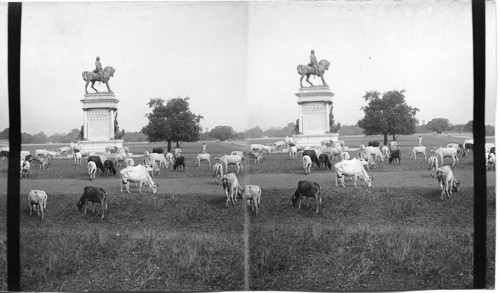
(152, 163)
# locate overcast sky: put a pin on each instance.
(237, 60)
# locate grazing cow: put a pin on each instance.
(109, 167)
(279, 144)
(230, 159)
(433, 165)
(394, 155)
(119, 159)
(307, 189)
(231, 187)
(268, 149)
(370, 151)
(42, 160)
(459, 147)
(252, 193)
(158, 150)
(129, 162)
(179, 161)
(160, 158)
(24, 154)
(256, 155)
(62, 150)
(25, 168)
(418, 150)
(447, 181)
(292, 151)
(78, 158)
(37, 200)
(373, 143)
(237, 153)
(137, 174)
(312, 155)
(92, 195)
(344, 156)
(218, 173)
(446, 152)
(306, 163)
(324, 162)
(98, 162)
(203, 157)
(256, 146)
(92, 169)
(352, 168)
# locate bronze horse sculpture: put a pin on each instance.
(309, 70)
(90, 76)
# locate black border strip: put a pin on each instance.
(13, 204)
(479, 47)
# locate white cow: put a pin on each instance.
(433, 165)
(344, 155)
(252, 193)
(78, 158)
(62, 150)
(119, 159)
(160, 158)
(230, 159)
(92, 169)
(352, 168)
(365, 154)
(37, 199)
(203, 157)
(170, 157)
(418, 150)
(306, 164)
(385, 151)
(374, 151)
(25, 169)
(256, 146)
(446, 152)
(231, 187)
(42, 152)
(293, 152)
(218, 172)
(447, 181)
(137, 174)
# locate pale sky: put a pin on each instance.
(237, 60)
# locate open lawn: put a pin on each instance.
(396, 235)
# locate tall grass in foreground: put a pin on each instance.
(394, 240)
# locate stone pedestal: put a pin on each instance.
(314, 116)
(99, 112)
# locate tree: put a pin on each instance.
(438, 125)
(172, 121)
(469, 126)
(4, 134)
(222, 132)
(389, 115)
(255, 132)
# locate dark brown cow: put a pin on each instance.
(307, 189)
(92, 195)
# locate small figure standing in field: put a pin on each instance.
(394, 144)
(419, 140)
(204, 148)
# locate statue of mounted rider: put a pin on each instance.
(99, 74)
(313, 68)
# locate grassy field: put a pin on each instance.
(397, 235)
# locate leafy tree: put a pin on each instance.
(469, 126)
(489, 130)
(205, 135)
(4, 134)
(222, 132)
(172, 121)
(439, 125)
(389, 115)
(255, 132)
(40, 137)
(26, 138)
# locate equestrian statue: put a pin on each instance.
(99, 74)
(313, 68)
